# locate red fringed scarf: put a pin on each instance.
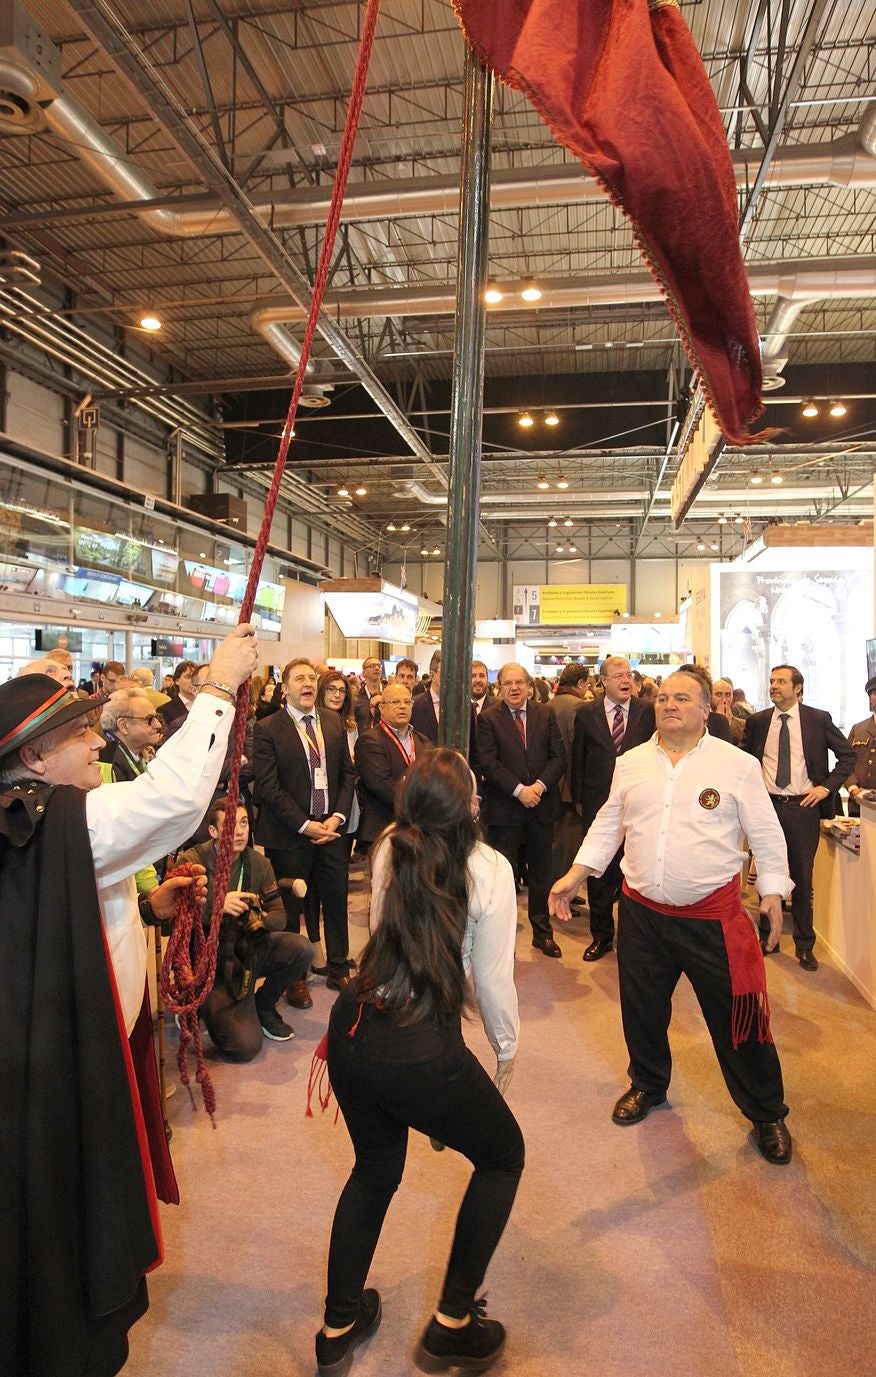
(744, 956)
(622, 86)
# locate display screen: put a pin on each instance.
(379, 616)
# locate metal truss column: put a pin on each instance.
(466, 410)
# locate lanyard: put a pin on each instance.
(302, 732)
(409, 756)
(136, 765)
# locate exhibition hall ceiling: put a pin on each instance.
(116, 210)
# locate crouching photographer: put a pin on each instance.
(253, 946)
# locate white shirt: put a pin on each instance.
(298, 717)
(800, 781)
(488, 943)
(132, 823)
(436, 704)
(676, 850)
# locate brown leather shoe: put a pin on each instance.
(774, 1142)
(298, 995)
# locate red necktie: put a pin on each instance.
(520, 724)
(319, 803)
(617, 729)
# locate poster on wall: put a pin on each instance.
(817, 622)
(568, 604)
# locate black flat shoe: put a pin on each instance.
(547, 945)
(335, 1356)
(807, 960)
(774, 1142)
(635, 1106)
(474, 1348)
(601, 947)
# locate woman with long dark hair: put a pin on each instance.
(444, 921)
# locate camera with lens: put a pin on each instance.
(247, 928)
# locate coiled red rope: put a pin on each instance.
(189, 966)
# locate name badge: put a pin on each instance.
(320, 779)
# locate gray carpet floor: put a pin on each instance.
(668, 1248)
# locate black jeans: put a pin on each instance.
(389, 1079)
(234, 1025)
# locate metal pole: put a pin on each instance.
(466, 410)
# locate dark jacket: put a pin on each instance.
(819, 735)
(282, 775)
(564, 707)
(362, 711)
(594, 755)
(423, 719)
(380, 767)
(504, 762)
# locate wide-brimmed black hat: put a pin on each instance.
(35, 704)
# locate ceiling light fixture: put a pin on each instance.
(561, 549)
(701, 545)
(756, 479)
(713, 547)
(552, 419)
(837, 408)
(810, 409)
(553, 521)
(424, 551)
(585, 345)
(405, 526)
(149, 321)
(531, 291)
(657, 614)
(573, 549)
(525, 420)
(568, 521)
(737, 520)
(776, 480)
(492, 295)
(391, 526)
(722, 520)
(360, 491)
(562, 482)
(436, 551)
(542, 483)
(343, 491)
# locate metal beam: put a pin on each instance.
(106, 28)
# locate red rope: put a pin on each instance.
(189, 967)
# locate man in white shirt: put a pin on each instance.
(79, 1222)
(681, 803)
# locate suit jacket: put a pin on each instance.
(594, 756)
(719, 727)
(820, 735)
(362, 711)
(862, 739)
(423, 719)
(565, 709)
(505, 762)
(121, 767)
(381, 767)
(282, 781)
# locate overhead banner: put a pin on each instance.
(568, 604)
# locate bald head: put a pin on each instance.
(53, 668)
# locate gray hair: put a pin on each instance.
(119, 706)
(15, 771)
(143, 676)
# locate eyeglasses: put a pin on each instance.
(153, 719)
(335, 688)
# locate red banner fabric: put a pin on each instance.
(620, 83)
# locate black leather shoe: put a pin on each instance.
(339, 982)
(319, 970)
(547, 945)
(635, 1106)
(774, 1142)
(807, 960)
(601, 947)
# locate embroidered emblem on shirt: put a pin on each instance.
(709, 798)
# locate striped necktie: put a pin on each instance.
(520, 724)
(618, 728)
(319, 800)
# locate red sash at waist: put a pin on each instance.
(744, 956)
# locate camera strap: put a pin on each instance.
(239, 964)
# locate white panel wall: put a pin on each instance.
(35, 416)
(145, 469)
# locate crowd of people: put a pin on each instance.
(598, 792)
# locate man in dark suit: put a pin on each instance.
(862, 739)
(605, 729)
(383, 757)
(791, 741)
(427, 705)
(365, 711)
(716, 724)
(522, 760)
(304, 787)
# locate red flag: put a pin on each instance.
(621, 84)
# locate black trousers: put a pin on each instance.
(653, 951)
(537, 836)
(234, 1025)
(327, 872)
(602, 892)
(802, 829)
(388, 1080)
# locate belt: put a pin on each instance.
(786, 798)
